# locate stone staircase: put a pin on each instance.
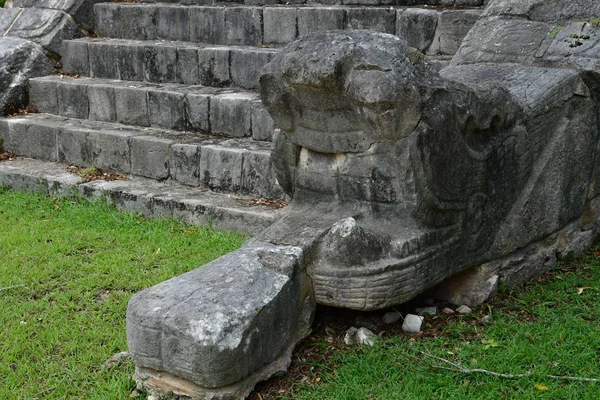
(167, 94)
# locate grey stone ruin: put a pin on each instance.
(32, 33)
(403, 178)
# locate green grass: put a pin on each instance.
(80, 263)
(545, 328)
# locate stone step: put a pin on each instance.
(221, 112)
(153, 199)
(436, 3)
(166, 61)
(278, 25)
(232, 166)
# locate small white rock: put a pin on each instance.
(464, 310)
(412, 323)
(391, 317)
(427, 311)
(366, 337)
(487, 319)
(361, 336)
(350, 337)
(447, 311)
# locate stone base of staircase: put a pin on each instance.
(151, 198)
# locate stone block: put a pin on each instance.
(40, 142)
(131, 105)
(145, 26)
(101, 98)
(231, 114)
(375, 19)
(207, 25)
(14, 133)
(72, 100)
(185, 164)
(110, 149)
(172, 23)
(150, 156)
(105, 19)
(166, 109)
(76, 57)
(417, 26)
(160, 63)
(104, 60)
(243, 26)
(280, 24)
(198, 112)
(130, 62)
(263, 125)
(187, 66)
(319, 19)
(43, 95)
(213, 63)
(247, 64)
(452, 27)
(73, 147)
(221, 167)
(258, 176)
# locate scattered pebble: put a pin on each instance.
(412, 323)
(447, 311)
(487, 319)
(464, 310)
(427, 311)
(366, 337)
(391, 317)
(361, 336)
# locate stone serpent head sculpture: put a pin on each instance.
(420, 170)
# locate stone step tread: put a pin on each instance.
(154, 199)
(225, 112)
(316, 3)
(233, 166)
(273, 25)
(163, 61)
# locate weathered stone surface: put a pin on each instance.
(46, 27)
(188, 204)
(417, 26)
(81, 10)
(470, 287)
(345, 134)
(20, 59)
(231, 309)
(452, 27)
(280, 24)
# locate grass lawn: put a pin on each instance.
(80, 263)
